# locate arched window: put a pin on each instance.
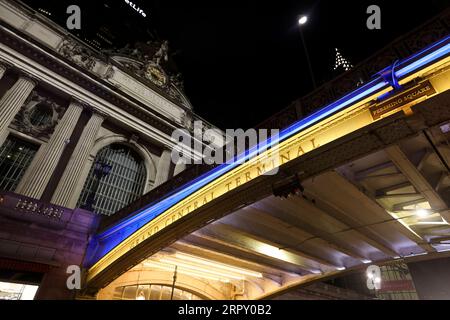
(116, 178)
(15, 157)
(153, 292)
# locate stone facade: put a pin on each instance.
(68, 102)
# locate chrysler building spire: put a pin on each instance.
(341, 62)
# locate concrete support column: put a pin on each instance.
(66, 193)
(12, 101)
(162, 172)
(43, 165)
(181, 166)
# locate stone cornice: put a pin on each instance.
(5, 64)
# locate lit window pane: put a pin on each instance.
(17, 291)
(15, 157)
(118, 293)
(143, 292)
(129, 293)
(155, 292)
(116, 188)
(152, 292)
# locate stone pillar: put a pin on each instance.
(12, 101)
(66, 193)
(162, 172)
(181, 166)
(43, 165)
(3, 68)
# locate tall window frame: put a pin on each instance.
(16, 155)
(116, 178)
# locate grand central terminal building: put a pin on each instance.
(359, 208)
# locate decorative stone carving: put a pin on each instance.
(23, 122)
(150, 60)
(162, 53)
(77, 53)
(187, 121)
(109, 73)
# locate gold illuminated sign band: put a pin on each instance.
(334, 127)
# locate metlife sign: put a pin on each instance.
(136, 8)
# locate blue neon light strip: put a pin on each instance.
(423, 61)
(102, 243)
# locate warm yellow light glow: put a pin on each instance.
(201, 269)
(272, 251)
(140, 297)
(182, 270)
(422, 213)
(437, 223)
(400, 220)
(223, 266)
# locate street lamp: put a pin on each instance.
(302, 21)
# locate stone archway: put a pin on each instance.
(135, 276)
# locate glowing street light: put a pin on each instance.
(302, 20)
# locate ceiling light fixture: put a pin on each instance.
(422, 213)
(201, 269)
(182, 270)
(223, 266)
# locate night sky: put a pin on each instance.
(243, 60)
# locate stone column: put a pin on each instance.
(162, 172)
(180, 167)
(43, 165)
(12, 101)
(3, 68)
(66, 193)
